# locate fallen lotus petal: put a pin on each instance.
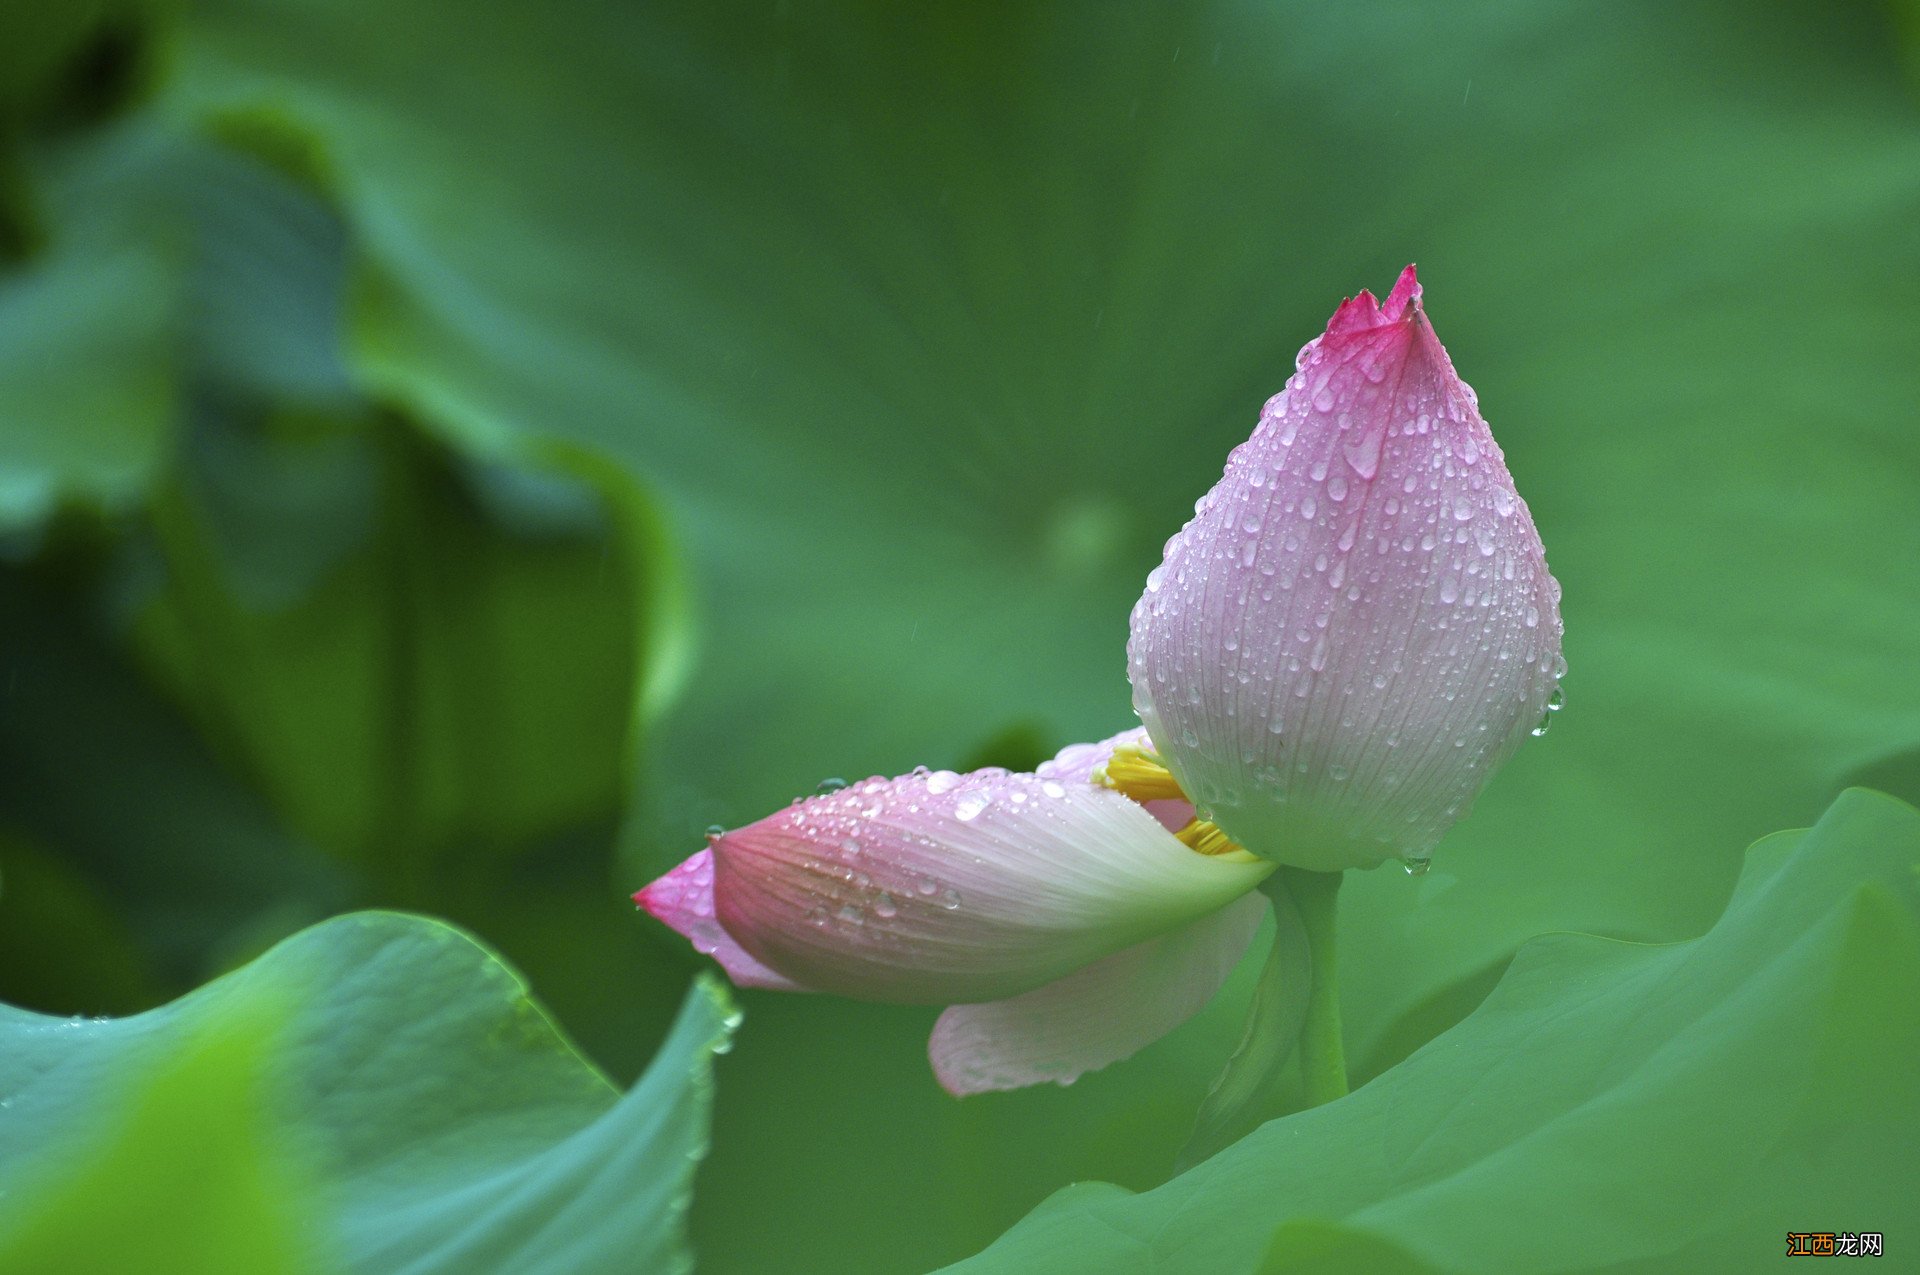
(939, 888)
(1357, 626)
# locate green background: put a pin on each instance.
(450, 455)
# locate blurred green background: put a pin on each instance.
(450, 455)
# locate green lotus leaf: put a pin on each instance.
(1611, 1106)
(415, 1110)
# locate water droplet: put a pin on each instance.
(1053, 789)
(1554, 703)
(950, 899)
(1363, 453)
(942, 781)
(1323, 399)
(830, 785)
(884, 907)
(969, 807)
(1416, 866)
(1336, 488)
(715, 832)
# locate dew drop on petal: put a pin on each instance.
(1364, 453)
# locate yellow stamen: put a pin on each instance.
(1138, 773)
(1207, 838)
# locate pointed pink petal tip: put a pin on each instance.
(683, 901)
(1364, 314)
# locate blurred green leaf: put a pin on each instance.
(928, 328)
(88, 380)
(126, 1205)
(38, 41)
(1308, 1247)
(62, 947)
(1904, 15)
(1612, 1106)
(173, 269)
(102, 775)
(418, 659)
(445, 1124)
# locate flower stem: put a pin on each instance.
(1323, 1055)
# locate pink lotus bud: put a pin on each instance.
(1357, 627)
(1067, 923)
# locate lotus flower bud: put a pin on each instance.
(1357, 627)
(937, 888)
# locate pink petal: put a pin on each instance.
(935, 888)
(1358, 626)
(683, 898)
(1094, 1016)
